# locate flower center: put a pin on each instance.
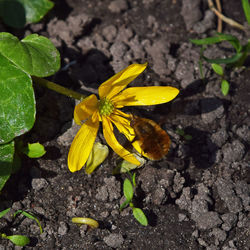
(105, 106)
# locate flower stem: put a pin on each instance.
(59, 89)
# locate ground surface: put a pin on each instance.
(195, 198)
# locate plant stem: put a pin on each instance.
(224, 18)
(59, 89)
(218, 5)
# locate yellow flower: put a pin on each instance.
(112, 95)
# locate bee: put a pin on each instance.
(153, 140)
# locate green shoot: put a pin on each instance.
(246, 8)
(30, 216)
(19, 240)
(181, 132)
(128, 191)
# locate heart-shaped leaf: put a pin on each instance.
(36, 55)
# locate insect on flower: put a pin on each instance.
(152, 139)
(114, 95)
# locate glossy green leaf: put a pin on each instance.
(36, 55)
(224, 87)
(128, 189)
(17, 13)
(34, 150)
(6, 159)
(217, 69)
(140, 216)
(246, 8)
(19, 240)
(2, 213)
(17, 101)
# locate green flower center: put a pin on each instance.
(105, 106)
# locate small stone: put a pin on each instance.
(109, 32)
(63, 228)
(233, 152)
(114, 240)
(83, 230)
(229, 220)
(38, 184)
(102, 193)
(118, 6)
(220, 137)
(226, 192)
(208, 220)
(219, 235)
(182, 217)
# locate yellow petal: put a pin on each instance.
(122, 122)
(114, 144)
(119, 81)
(82, 144)
(136, 96)
(85, 109)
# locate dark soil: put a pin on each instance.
(195, 198)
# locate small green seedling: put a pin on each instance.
(19, 240)
(181, 132)
(224, 83)
(128, 191)
(241, 52)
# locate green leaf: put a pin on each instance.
(30, 216)
(246, 8)
(34, 150)
(217, 39)
(224, 87)
(217, 69)
(17, 101)
(228, 60)
(4, 212)
(36, 55)
(19, 240)
(140, 216)
(17, 13)
(6, 160)
(128, 189)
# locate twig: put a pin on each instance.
(219, 27)
(224, 18)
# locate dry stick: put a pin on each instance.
(219, 27)
(224, 18)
